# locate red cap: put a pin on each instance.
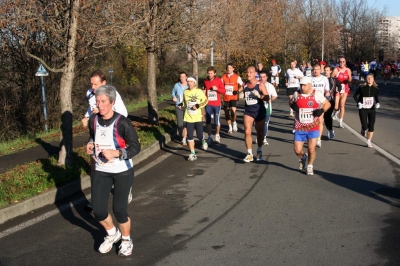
(273, 61)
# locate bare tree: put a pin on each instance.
(70, 30)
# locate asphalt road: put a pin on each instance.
(219, 210)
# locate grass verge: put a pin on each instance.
(37, 177)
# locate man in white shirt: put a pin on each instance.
(293, 76)
(268, 105)
(275, 70)
(320, 85)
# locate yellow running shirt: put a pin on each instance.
(190, 98)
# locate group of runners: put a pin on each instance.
(315, 98)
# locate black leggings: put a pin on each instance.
(328, 116)
(367, 118)
(190, 130)
(101, 186)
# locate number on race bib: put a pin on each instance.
(368, 102)
(229, 90)
(212, 95)
(306, 115)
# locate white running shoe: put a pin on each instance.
(259, 156)
(291, 114)
(335, 114)
(192, 157)
(130, 196)
(230, 129)
(369, 144)
(310, 170)
(319, 143)
(248, 158)
(125, 249)
(265, 142)
(209, 140)
(293, 131)
(217, 139)
(109, 242)
(234, 127)
(204, 145)
(341, 124)
(302, 162)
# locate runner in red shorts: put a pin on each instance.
(343, 76)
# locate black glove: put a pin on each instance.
(197, 106)
(181, 104)
(235, 92)
(318, 112)
(294, 107)
(266, 98)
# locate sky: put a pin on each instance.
(392, 6)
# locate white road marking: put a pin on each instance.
(71, 204)
(374, 145)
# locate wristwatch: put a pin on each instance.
(121, 155)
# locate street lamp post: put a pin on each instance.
(111, 73)
(42, 72)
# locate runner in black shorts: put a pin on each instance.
(254, 112)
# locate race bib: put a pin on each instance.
(368, 102)
(100, 159)
(229, 90)
(306, 115)
(308, 73)
(212, 95)
(293, 82)
(342, 88)
(250, 98)
(189, 109)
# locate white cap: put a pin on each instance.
(192, 79)
(305, 80)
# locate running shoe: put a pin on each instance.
(259, 156)
(209, 140)
(125, 249)
(130, 196)
(341, 124)
(234, 127)
(369, 144)
(265, 142)
(248, 158)
(217, 139)
(88, 208)
(293, 131)
(310, 170)
(192, 157)
(230, 129)
(335, 114)
(204, 145)
(109, 242)
(319, 143)
(331, 134)
(291, 114)
(302, 162)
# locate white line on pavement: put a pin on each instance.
(71, 204)
(376, 147)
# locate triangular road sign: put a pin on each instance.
(41, 71)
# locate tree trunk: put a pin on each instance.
(65, 154)
(195, 66)
(152, 105)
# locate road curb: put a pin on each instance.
(56, 194)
